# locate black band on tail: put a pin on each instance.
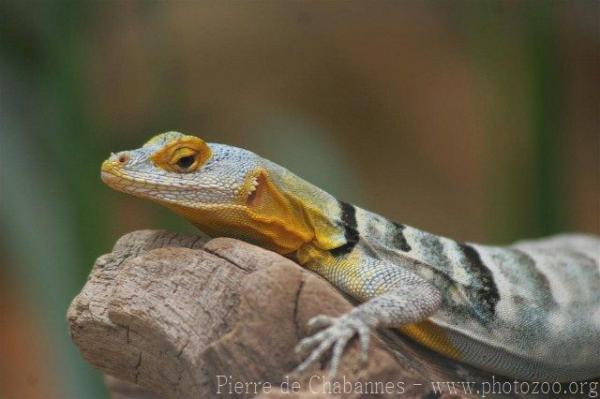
(486, 295)
(399, 238)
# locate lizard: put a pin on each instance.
(529, 310)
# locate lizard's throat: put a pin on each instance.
(269, 219)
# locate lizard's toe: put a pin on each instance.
(321, 321)
(310, 342)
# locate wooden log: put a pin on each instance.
(182, 316)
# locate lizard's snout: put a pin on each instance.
(115, 161)
(111, 168)
(107, 172)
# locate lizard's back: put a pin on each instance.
(544, 318)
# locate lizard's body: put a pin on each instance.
(530, 310)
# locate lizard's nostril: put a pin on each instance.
(123, 158)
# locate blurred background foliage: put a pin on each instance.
(476, 120)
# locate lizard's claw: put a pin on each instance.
(337, 333)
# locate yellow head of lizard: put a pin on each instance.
(226, 191)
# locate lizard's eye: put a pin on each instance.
(185, 159)
(185, 162)
(184, 155)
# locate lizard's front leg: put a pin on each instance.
(394, 296)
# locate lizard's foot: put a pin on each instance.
(336, 333)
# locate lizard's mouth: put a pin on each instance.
(110, 175)
(109, 178)
(113, 176)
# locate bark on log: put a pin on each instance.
(177, 316)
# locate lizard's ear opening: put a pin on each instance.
(184, 155)
(256, 187)
(261, 194)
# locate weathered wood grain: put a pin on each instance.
(176, 316)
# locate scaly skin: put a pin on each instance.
(510, 310)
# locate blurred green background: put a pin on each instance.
(476, 120)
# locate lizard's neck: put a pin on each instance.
(376, 236)
(284, 214)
